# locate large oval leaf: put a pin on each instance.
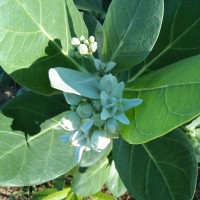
(130, 30)
(30, 149)
(163, 169)
(170, 98)
(178, 38)
(92, 180)
(75, 82)
(114, 183)
(35, 36)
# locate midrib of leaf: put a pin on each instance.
(50, 38)
(125, 34)
(160, 171)
(29, 140)
(169, 46)
(160, 87)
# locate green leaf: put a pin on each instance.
(178, 38)
(75, 82)
(101, 196)
(90, 5)
(38, 40)
(59, 182)
(114, 183)
(73, 196)
(170, 98)
(59, 195)
(52, 194)
(30, 148)
(163, 169)
(92, 180)
(43, 193)
(131, 30)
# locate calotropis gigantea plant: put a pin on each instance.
(110, 86)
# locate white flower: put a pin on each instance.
(91, 39)
(75, 42)
(83, 49)
(93, 47)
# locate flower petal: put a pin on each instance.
(86, 126)
(121, 117)
(105, 114)
(78, 153)
(104, 98)
(130, 103)
(117, 92)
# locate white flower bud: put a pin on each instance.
(83, 49)
(75, 42)
(100, 140)
(82, 38)
(113, 126)
(86, 42)
(84, 110)
(98, 122)
(91, 39)
(71, 121)
(92, 47)
(107, 83)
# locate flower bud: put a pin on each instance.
(84, 110)
(71, 121)
(97, 105)
(107, 83)
(72, 99)
(75, 42)
(91, 39)
(92, 47)
(98, 122)
(113, 126)
(83, 49)
(78, 55)
(82, 38)
(86, 42)
(99, 140)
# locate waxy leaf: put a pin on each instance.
(36, 36)
(130, 31)
(170, 98)
(163, 169)
(75, 82)
(114, 183)
(92, 180)
(90, 5)
(179, 36)
(30, 148)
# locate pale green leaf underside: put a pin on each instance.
(131, 30)
(170, 98)
(163, 169)
(75, 82)
(92, 180)
(30, 148)
(32, 34)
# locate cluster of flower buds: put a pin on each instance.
(83, 46)
(92, 123)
